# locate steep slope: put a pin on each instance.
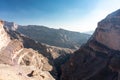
(4, 38)
(54, 37)
(19, 63)
(10, 25)
(99, 58)
(56, 55)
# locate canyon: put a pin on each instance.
(23, 56)
(99, 58)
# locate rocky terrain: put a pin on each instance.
(55, 55)
(99, 58)
(25, 58)
(19, 63)
(54, 37)
(4, 38)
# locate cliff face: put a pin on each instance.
(108, 31)
(21, 63)
(4, 38)
(10, 25)
(55, 55)
(99, 58)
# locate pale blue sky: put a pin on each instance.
(74, 15)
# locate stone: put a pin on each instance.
(99, 58)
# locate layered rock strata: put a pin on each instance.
(19, 63)
(99, 58)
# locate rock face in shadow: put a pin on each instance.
(99, 58)
(17, 61)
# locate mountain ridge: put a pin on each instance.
(99, 58)
(54, 37)
(56, 55)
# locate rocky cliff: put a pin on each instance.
(10, 25)
(4, 38)
(19, 63)
(99, 58)
(55, 55)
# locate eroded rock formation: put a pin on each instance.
(4, 38)
(17, 61)
(99, 58)
(55, 55)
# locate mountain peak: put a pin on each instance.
(10, 25)
(1, 23)
(99, 58)
(114, 14)
(108, 31)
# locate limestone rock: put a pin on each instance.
(108, 31)
(99, 58)
(8, 72)
(10, 25)
(16, 62)
(4, 38)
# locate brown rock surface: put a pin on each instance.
(99, 58)
(16, 62)
(55, 55)
(4, 38)
(8, 72)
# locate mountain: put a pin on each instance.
(50, 36)
(99, 58)
(20, 63)
(89, 32)
(10, 25)
(56, 45)
(56, 55)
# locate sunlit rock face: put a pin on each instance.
(99, 58)
(10, 25)
(21, 63)
(4, 38)
(108, 31)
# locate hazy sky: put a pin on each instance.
(74, 15)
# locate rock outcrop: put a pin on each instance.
(19, 63)
(55, 55)
(99, 58)
(4, 38)
(11, 25)
(108, 31)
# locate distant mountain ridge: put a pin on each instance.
(54, 37)
(89, 32)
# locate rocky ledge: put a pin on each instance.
(19, 63)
